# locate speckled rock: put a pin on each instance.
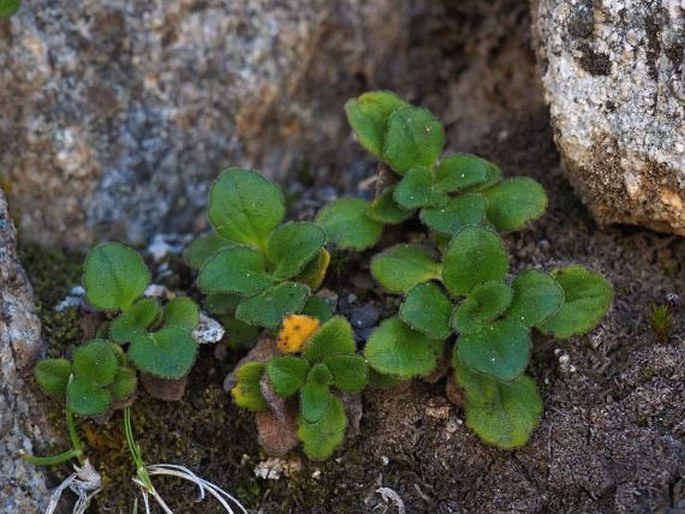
(117, 115)
(612, 72)
(22, 486)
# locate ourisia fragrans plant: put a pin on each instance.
(257, 272)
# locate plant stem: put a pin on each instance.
(76, 451)
(141, 470)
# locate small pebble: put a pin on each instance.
(365, 316)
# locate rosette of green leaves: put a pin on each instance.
(253, 266)
(465, 293)
(328, 362)
(159, 339)
(448, 193)
(97, 376)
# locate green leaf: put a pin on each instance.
(347, 226)
(427, 309)
(167, 353)
(485, 303)
(500, 351)
(333, 337)
(314, 401)
(239, 333)
(96, 361)
(115, 276)
(536, 297)
(287, 374)
(474, 256)
(380, 381)
(321, 439)
(199, 251)
(397, 350)
(414, 139)
(504, 417)
(386, 210)
(247, 392)
(314, 272)
(245, 207)
(320, 375)
(135, 321)
(416, 190)
(461, 172)
(514, 202)
(9, 7)
(238, 269)
(52, 375)
(588, 296)
(221, 303)
(86, 398)
(368, 116)
(350, 372)
(124, 384)
(292, 246)
(318, 308)
(183, 313)
(459, 212)
(268, 308)
(401, 267)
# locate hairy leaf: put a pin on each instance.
(52, 375)
(96, 361)
(416, 190)
(462, 171)
(314, 272)
(587, 297)
(350, 372)
(124, 385)
(485, 303)
(474, 256)
(401, 267)
(183, 313)
(514, 202)
(333, 338)
(368, 115)
(245, 207)
(427, 309)
(86, 398)
(318, 308)
(386, 210)
(500, 351)
(268, 308)
(115, 276)
(247, 392)
(395, 349)
(459, 212)
(321, 439)
(292, 246)
(287, 374)
(135, 321)
(347, 226)
(237, 269)
(167, 353)
(199, 251)
(414, 139)
(537, 296)
(314, 401)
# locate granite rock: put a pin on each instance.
(22, 485)
(612, 73)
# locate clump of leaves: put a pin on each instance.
(254, 267)
(661, 319)
(327, 362)
(159, 339)
(449, 193)
(97, 375)
(459, 285)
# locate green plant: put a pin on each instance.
(159, 339)
(459, 283)
(328, 362)
(457, 191)
(9, 7)
(661, 319)
(97, 376)
(253, 267)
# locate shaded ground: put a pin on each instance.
(613, 432)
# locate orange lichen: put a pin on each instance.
(296, 329)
